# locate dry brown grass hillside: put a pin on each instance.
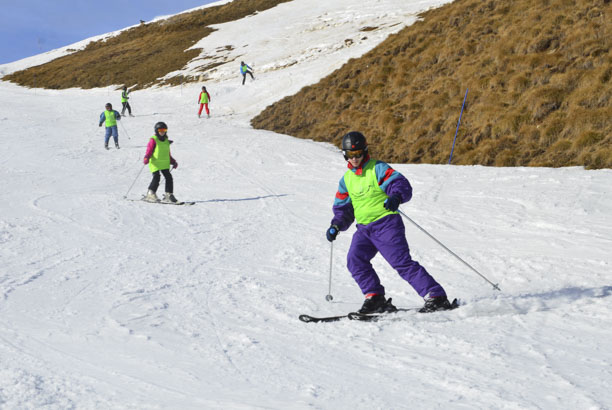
(138, 57)
(539, 75)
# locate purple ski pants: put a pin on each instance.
(387, 236)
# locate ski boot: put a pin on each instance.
(105, 146)
(117, 145)
(151, 196)
(169, 198)
(435, 304)
(375, 303)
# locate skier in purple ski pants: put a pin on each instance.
(370, 192)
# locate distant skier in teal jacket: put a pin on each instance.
(244, 70)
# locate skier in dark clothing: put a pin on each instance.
(159, 159)
(370, 193)
(244, 70)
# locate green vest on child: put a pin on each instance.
(110, 119)
(161, 156)
(366, 195)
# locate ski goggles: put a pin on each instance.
(354, 154)
(162, 129)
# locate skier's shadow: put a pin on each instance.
(571, 293)
(255, 198)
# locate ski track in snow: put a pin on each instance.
(108, 303)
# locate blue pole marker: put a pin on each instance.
(458, 122)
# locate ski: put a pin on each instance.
(161, 202)
(351, 316)
(313, 319)
(366, 317)
(373, 317)
(173, 203)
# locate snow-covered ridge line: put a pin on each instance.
(45, 57)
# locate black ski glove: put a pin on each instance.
(332, 232)
(392, 203)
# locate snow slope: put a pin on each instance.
(108, 303)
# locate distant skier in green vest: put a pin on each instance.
(244, 70)
(109, 117)
(159, 159)
(203, 100)
(124, 101)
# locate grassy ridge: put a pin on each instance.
(539, 77)
(139, 56)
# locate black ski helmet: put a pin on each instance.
(354, 141)
(159, 125)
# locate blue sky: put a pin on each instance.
(30, 27)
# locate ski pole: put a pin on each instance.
(495, 285)
(458, 123)
(329, 297)
(135, 179)
(125, 129)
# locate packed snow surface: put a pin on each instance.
(112, 303)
